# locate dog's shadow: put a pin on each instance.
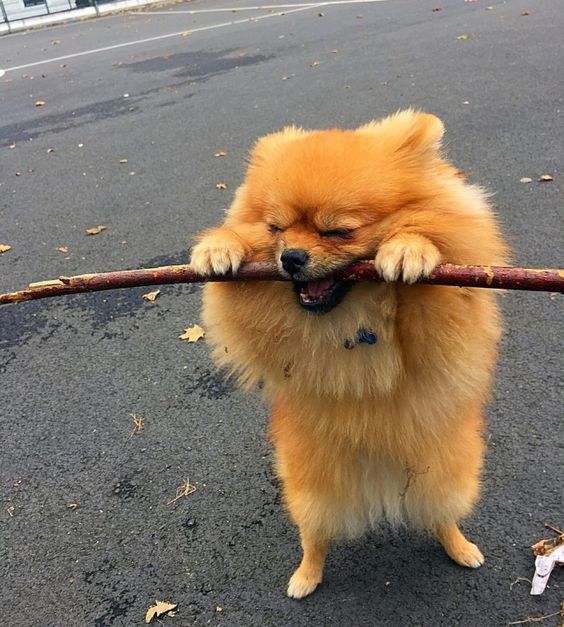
(387, 562)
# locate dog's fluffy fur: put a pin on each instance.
(391, 430)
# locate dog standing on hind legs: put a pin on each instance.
(378, 390)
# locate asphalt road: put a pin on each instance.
(87, 536)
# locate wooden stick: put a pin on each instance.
(547, 280)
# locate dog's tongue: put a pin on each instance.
(316, 289)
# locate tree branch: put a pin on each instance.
(547, 280)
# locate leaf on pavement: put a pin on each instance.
(221, 185)
(39, 103)
(151, 296)
(464, 36)
(96, 229)
(545, 177)
(62, 249)
(159, 609)
(4, 248)
(221, 153)
(192, 334)
(525, 179)
(123, 160)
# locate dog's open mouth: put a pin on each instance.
(322, 295)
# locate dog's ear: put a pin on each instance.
(267, 146)
(407, 130)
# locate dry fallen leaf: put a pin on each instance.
(221, 185)
(151, 295)
(525, 13)
(62, 249)
(4, 248)
(435, 9)
(525, 179)
(13, 145)
(55, 42)
(96, 229)
(545, 177)
(123, 160)
(464, 36)
(39, 103)
(160, 609)
(221, 153)
(315, 64)
(285, 78)
(50, 150)
(192, 334)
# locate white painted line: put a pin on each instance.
(157, 38)
(261, 7)
(300, 7)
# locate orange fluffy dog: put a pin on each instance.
(377, 389)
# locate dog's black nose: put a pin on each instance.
(293, 260)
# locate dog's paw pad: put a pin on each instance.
(301, 586)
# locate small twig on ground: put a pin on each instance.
(555, 529)
(518, 580)
(538, 619)
(183, 490)
(139, 424)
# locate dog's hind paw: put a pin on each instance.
(458, 547)
(301, 585)
(469, 556)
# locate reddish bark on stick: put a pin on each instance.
(548, 280)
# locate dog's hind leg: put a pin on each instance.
(310, 572)
(458, 547)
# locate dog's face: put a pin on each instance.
(326, 198)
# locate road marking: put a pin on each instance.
(261, 7)
(299, 7)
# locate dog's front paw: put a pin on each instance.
(407, 257)
(302, 584)
(218, 252)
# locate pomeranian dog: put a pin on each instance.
(378, 390)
